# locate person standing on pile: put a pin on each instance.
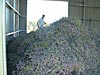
(41, 22)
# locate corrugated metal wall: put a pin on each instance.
(9, 25)
(16, 18)
(88, 11)
(23, 18)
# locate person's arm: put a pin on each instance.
(37, 24)
(44, 22)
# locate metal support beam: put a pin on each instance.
(88, 19)
(83, 11)
(89, 6)
(68, 7)
(3, 67)
(55, 0)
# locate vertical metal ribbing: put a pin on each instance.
(83, 11)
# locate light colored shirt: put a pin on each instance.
(40, 22)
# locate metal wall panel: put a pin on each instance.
(88, 11)
(23, 18)
(77, 12)
(16, 18)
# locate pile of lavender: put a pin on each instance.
(63, 48)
